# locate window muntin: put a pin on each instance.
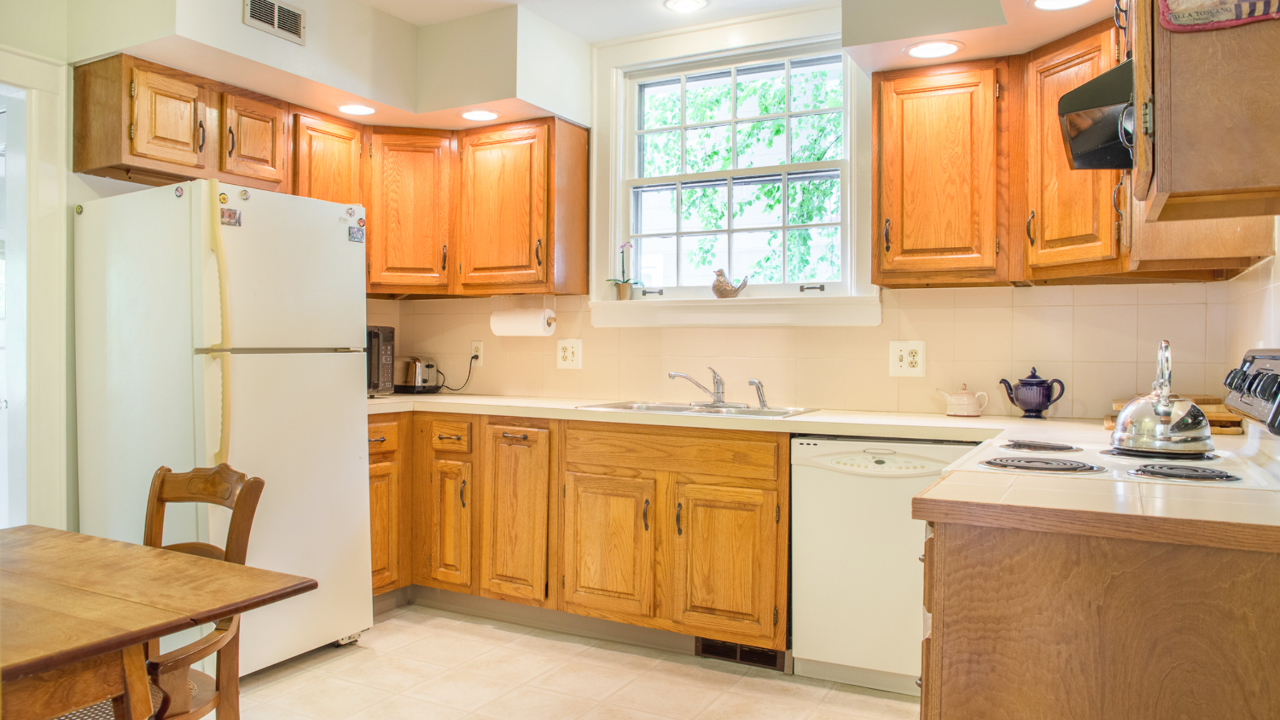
(741, 169)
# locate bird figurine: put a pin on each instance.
(725, 289)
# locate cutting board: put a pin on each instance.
(1221, 420)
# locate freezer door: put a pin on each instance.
(298, 421)
(291, 272)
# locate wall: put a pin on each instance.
(38, 27)
(468, 61)
(1099, 340)
(553, 69)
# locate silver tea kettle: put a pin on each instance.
(1162, 422)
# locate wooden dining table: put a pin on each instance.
(76, 611)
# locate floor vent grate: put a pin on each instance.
(745, 654)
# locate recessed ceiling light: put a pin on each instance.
(685, 6)
(480, 115)
(1056, 4)
(355, 109)
(933, 49)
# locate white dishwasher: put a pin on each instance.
(857, 585)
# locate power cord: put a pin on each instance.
(444, 379)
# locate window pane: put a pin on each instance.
(707, 149)
(654, 209)
(813, 255)
(757, 201)
(660, 154)
(762, 143)
(707, 97)
(817, 83)
(700, 257)
(704, 205)
(757, 256)
(815, 138)
(660, 104)
(657, 261)
(762, 90)
(813, 198)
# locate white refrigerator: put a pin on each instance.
(217, 323)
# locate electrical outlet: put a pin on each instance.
(906, 358)
(477, 348)
(568, 354)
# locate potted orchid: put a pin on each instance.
(623, 285)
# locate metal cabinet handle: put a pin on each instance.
(886, 235)
(920, 682)
(462, 498)
(448, 437)
(921, 558)
(444, 258)
(381, 439)
(518, 437)
(1115, 204)
(232, 133)
(1029, 235)
(537, 252)
(645, 515)
(201, 148)
(1118, 13)
(679, 530)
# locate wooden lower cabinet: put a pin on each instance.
(515, 495)
(609, 539)
(450, 521)
(390, 466)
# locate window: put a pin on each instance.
(740, 169)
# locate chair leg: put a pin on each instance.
(135, 702)
(228, 679)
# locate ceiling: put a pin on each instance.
(592, 20)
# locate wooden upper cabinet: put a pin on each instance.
(1070, 215)
(609, 537)
(936, 176)
(452, 498)
(515, 492)
(409, 214)
(326, 159)
(504, 205)
(167, 117)
(384, 525)
(725, 555)
(254, 145)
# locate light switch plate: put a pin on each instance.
(569, 354)
(906, 358)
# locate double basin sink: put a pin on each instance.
(677, 409)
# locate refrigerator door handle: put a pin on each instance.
(224, 430)
(220, 257)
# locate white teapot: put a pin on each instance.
(964, 403)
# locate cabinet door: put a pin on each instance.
(384, 524)
(254, 139)
(609, 543)
(326, 160)
(409, 219)
(725, 555)
(515, 493)
(167, 119)
(451, 503)
(937, 173)
(1070, 219)
(504, 206)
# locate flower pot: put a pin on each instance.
(624, 290)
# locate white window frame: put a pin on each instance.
(629, 171)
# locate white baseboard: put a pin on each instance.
(861, 677)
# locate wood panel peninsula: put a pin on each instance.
(1078, 599)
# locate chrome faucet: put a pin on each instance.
(759, 386)
(716, 395)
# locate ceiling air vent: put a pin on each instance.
(278, 19)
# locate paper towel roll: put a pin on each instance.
(523, 323)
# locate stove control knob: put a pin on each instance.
(1269, 388)
(1232, 381)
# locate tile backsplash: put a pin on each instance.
(1100, 340)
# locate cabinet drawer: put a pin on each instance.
(451, 436)
(383, 438)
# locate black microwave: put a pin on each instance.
(380, 354)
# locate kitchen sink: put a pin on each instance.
(677, 409)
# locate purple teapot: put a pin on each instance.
(1033, 394)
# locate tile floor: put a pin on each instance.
(418, 663)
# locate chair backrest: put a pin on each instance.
(217, 486)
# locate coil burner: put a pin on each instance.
(1041, 465)
(1038, 446)
(1156, 455)
(1182, 472)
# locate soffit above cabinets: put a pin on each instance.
(987, 28)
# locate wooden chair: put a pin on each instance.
(186, 693)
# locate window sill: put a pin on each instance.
(738, 312)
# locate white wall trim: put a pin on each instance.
(49, 365)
